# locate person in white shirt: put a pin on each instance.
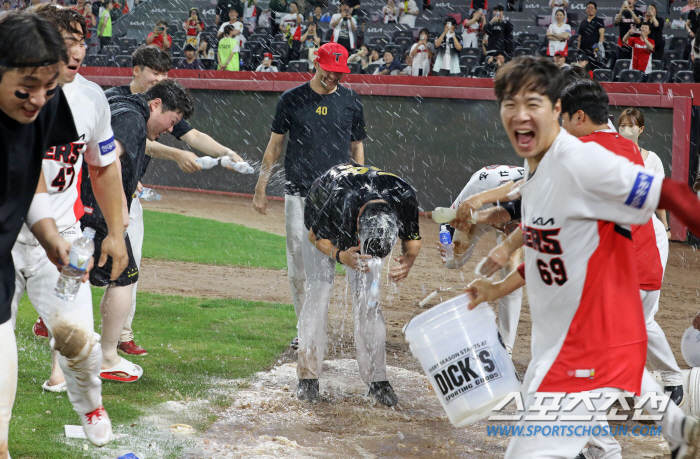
(422, 53)
(473, 28)
(408, 12)
(448, 47)
(558, 35)
(266, 65)
(344, 27)
(558, 5)
(290, 26)
(237, 26)
(390, 12)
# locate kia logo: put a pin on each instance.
(579, 6)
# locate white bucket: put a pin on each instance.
(690, 347)
(464, 357)
(691, 390)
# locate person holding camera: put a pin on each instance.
(448, 48)
(290, 26)
(390, 12)
(193, 26)
(408, 12)
(473, 28)
(627, 18)
(692, 21)
(497, 33)
(344, 27)
(159, 37)
(422, 53)
(656, 26)
(642, 47)
(360, 57)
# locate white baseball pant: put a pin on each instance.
(370, 329)
(135, 231)
(8, 383)
(297, 234)
(38, 276)
(556, 446)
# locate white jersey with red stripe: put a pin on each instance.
(588, 328)
(488, 178)
(62, 164)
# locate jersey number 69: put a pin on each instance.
(557, 274)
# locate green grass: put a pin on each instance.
(192, 342)
(178, 238)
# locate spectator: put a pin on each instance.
(408, 12)
(310, 42)
(495, 62)
(278, 8)
(205, 50)
(159, 37)
(591, 36)
(390, 66)
(223, 9)
(479, 5)
(692, 23)
(90, 21)
(627, 18)
(448, 48)
(473, 29)
(656, 24)
(687, 9)
(497, 33)
(558, 35)
(104, 28)
(642, 47)
(374, 58)
(408, 70)
(190, 62)
(318, 16)
(193, 26)
(391, 14)
(344, 27)
(233, 20)
(250, 12)
(353, 5)
(558, 5)
(6, 8)
(229, 48)
(695, 57)
(290, 26)
(422, 53)
(361, 57)
(115, 12)
(582, 62)
(266, 65)
(560, 60)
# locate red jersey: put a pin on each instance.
(158, 40)
(641, 55)
(647, 255)
(192, 28)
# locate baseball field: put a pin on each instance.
(215, 314)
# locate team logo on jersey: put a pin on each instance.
(108, 146)
(640, 190)
(542, 240)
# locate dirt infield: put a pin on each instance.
(267, 422)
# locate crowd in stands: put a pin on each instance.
(474, 43)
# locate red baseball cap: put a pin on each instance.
(268, 55)
(333, 57)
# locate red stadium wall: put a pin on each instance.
(679, 97)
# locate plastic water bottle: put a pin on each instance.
(240, 166)
(207, 162)
(446, 241)
(149, 194)
(80, 253)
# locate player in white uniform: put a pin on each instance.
(489, 178)
(588, 330)
(75, 345)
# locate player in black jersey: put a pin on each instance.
(135, 119)
(326, 127)
(354, 215)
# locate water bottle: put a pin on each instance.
(240, 166)
(80, 253)
(149, 194)
(444, 214)
(207, 162)
(446, 241)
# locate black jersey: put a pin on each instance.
(129, 117)
(334, 201)
(22, 148)
(590, 32)
(321, 128)
(180, 129)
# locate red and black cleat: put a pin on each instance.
(40, 329)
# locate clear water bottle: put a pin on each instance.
(149, 194)
(240, 166)
(446, 241)
(207, 162)
(80, 253)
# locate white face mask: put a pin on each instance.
(630, 133)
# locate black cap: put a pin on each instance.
(581, 56)
(189, 47)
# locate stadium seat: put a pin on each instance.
(126, 43)
(466, 69)
(96, 60)
(278, 37)
(480, 72)
(177, 62)
(678, 66)
(602, 75)
(471, 52)
(259, 37)
(610, 37)
(657, 76)
(404, 42)
(123, 61)
(279, 64)
(523, 37)
(279, 48)
(298, 67)
(671, 55)
(620, 65)
(111, 50)
(683, 76)
(256, 49)
(355, 67)
(471, 61)
(396, 50)
(573, 42)
(631, 76)
(533, 45)
(209, 64)
(656, 65)
(403, 33)
(261, 30)
(245, 58)
(678, 44)
(379, 42)
(371, 68)
(522, 52)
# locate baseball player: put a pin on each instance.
(326, 127)
(588, 328)
(34, 115)
(353, 216)
(135, 118)
(489, 178)
(34, 272)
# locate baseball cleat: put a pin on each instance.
(691, 439)
(308, 390)
(60, 387)
(40, 329)
(131, 348)
(295, 343)
(97, 426)
(675, 393)
(383, 393)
